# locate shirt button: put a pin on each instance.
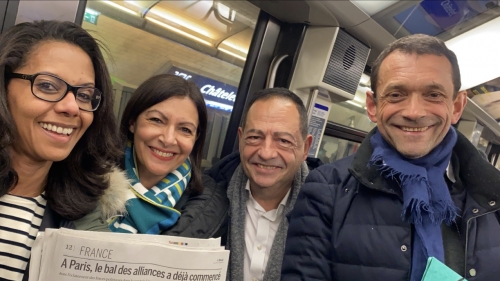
(259, 247)
(472, 272)
(475, 211)
(404, 248)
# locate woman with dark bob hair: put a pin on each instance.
(58, 138)
(164, 127)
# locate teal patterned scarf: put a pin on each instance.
(151, 210)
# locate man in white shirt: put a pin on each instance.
(263, 181)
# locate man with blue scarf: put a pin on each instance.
(415, 189)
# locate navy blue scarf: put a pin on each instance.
(427, 200)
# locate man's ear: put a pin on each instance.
(307, 146)
(371, 106)
(458, 106)
(240, 135)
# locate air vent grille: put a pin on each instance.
(346, 63)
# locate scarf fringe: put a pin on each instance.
(388, 172)
(412, 212)
(447, 212)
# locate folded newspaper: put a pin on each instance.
(64, 254)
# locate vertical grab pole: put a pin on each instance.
(310, 103)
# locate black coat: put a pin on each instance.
(201, 215)
(347, 226)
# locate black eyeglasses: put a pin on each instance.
(51, 88)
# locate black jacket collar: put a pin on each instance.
(480, 178)
(224, 169)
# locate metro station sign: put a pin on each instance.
(211, 89)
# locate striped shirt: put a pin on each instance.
(20, 219)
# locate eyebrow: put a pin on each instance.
(166, 118)
(275, 134)
(188, 123)
(260, 132)
(286, 134)
(394, 86)
(89, 84)
(156, 111)
(435, 86)
(397, 86)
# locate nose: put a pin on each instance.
(168, 136)
(68, 105)
(414, 108)
(267, 150)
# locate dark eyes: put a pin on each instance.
(394, 97)
(84, 97)
(155, 120)
(435, 95)
(187, 130)
(46, 87)
(284, 141)
(279, 141)
(397, 96)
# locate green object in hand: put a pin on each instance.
(438, 271)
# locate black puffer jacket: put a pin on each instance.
(347, 226)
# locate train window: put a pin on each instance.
(494, 161)
(443, 19)
(352, 113)
(203, 41)
(332, 149)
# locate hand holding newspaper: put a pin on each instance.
(64, 254)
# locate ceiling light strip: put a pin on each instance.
(120, 7)
(176, 30)
(241, 49)
(232, 54)
(180, 22)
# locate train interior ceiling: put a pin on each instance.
(322, 50)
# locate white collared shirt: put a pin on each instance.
(260, 229)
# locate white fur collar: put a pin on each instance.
(113, 200)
